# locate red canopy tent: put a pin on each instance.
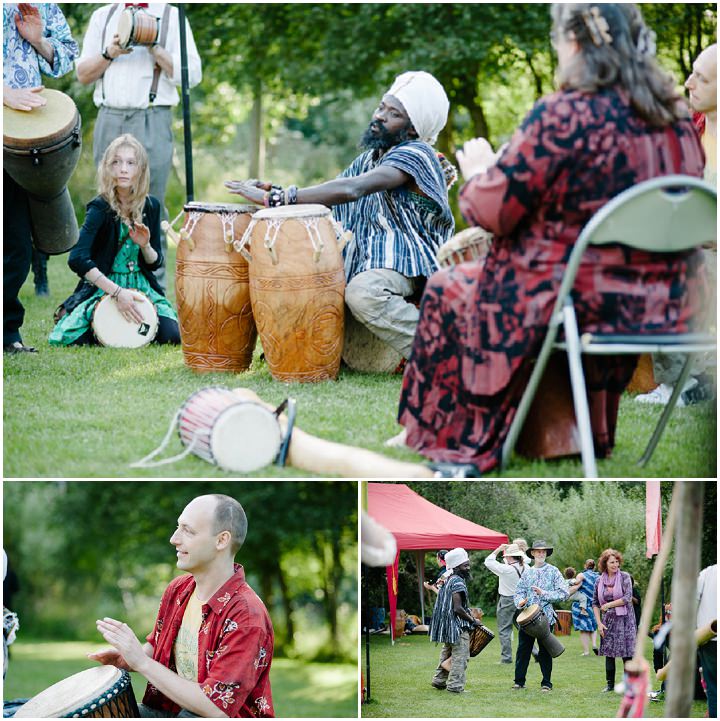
(422, 526)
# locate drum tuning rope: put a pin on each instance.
(311, 224)
(228, 224)
(242, 245)
(148, 462)
(271, 233)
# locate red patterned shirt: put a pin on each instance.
(235, 647)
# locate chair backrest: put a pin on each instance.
(665, 215)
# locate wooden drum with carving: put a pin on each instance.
(297, 289)
(212, 288)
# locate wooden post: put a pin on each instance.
(257, 139)
(683, 647)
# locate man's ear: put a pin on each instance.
(223, 540)
(412, 132)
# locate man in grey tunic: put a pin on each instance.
(452, 622)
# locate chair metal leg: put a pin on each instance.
(577, 380)
(529, 394)
(665, 417)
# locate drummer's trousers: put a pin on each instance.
(460, 654)
(522, 660)
(17, 256)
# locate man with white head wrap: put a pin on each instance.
(393, 198)
(452, 622)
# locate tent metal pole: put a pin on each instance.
(420, 565)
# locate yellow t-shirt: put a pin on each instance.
(186, 643)
(709, 143)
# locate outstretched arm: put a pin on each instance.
(333, 192)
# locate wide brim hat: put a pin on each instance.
(514, 550)
(540, 546)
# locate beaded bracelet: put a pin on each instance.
(116, 293)
(292, 195)
(276, 197)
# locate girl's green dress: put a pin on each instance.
(127, 274)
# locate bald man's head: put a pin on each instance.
(702, 82)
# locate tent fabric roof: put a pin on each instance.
(418, 524)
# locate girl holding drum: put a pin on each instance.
(118, 248)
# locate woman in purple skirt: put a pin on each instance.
(613, 609)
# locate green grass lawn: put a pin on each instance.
(400, 684)
(90, 412)
(308, 690)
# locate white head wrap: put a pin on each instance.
(425, 102)
(456, 557)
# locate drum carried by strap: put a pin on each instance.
(534, 622)
(100, 692)
(480, 637)
(297, 287)
(221, 427)
(136, 26)
(112, 330)
(40, 151)
(213, 292)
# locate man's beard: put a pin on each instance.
(383, 140)
(465, 574)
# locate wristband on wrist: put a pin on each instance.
(107, 56)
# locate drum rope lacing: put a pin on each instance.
(272, 229)
(227, 218)
(107, 696)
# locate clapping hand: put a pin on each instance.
(29, 23)
(139, 234)
(475, 157)
(121, 637)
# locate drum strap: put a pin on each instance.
(161, 43)
(102, 44)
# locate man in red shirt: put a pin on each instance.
(210, 651)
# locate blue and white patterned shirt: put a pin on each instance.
(398, 229)
(22, 64)
(550, 580)
(446, 626)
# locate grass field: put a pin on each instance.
(400, 684)
(307, 690)
(90, 412)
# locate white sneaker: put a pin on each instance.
(398, 441)
(661, 394)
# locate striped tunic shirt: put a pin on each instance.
(397, 229)
(445, 626)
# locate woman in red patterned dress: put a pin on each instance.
(615, 122)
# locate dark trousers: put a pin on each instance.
(168, 332)
(17, 256)
(610, 669)
(522, 659)
(707, 654)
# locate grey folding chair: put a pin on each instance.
(664, 215)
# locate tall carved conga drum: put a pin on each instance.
(297, 289)
(211, 284)
(41, 148)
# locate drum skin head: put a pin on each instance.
(528, 612)
(245, 437)
(113, 331)
(292, 211)
(201, 207)
(43, 126)
(74, 692)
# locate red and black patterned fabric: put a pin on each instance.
(482, 323)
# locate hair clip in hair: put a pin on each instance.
(646, 43)
(597, 26)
